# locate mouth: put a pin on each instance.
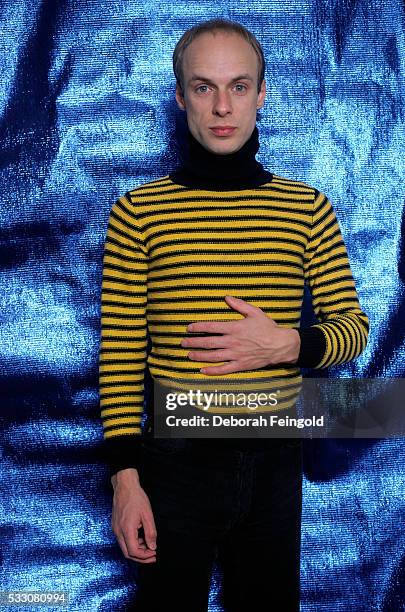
(222, 131)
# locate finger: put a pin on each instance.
(135, 547)
(214, 327)
(207, 342)
(151, 560)
(241, 306)
(227, 368)
(210, 355)
(142, 544)
(137, 552)
(149, 529)
(142, 554)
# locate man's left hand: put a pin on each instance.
(251, 343)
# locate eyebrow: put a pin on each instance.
(241, 77)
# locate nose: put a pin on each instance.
(222, 103)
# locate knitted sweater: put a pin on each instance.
(177, 245)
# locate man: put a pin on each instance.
(220, 248)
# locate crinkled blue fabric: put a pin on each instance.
(87, 112)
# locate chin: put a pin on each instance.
(223, 148)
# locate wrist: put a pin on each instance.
(295, 346)
(289, 347)
(127, 476)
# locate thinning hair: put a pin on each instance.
(215, 25)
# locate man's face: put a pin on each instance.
(220, 97)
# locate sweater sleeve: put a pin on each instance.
(123, 342)
(342, 331)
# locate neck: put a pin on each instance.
(202, 169)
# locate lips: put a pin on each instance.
(223, 130)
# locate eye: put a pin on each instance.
(240, 88)
(202, 89)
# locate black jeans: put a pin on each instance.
(212, 501)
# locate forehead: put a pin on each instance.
(220, 54)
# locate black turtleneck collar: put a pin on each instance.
(202, 169)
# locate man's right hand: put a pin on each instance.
(131, 511)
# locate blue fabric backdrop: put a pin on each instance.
(87, 112)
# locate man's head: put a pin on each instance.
(219, 67)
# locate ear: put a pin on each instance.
(180, 98)
(261, 95)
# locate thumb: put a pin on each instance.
(241, 306)
(149, 531)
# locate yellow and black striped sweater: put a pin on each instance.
(172, 252)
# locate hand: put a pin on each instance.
(131, 511)
(248, 344)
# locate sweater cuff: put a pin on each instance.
(313, 347)
(122, 452)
